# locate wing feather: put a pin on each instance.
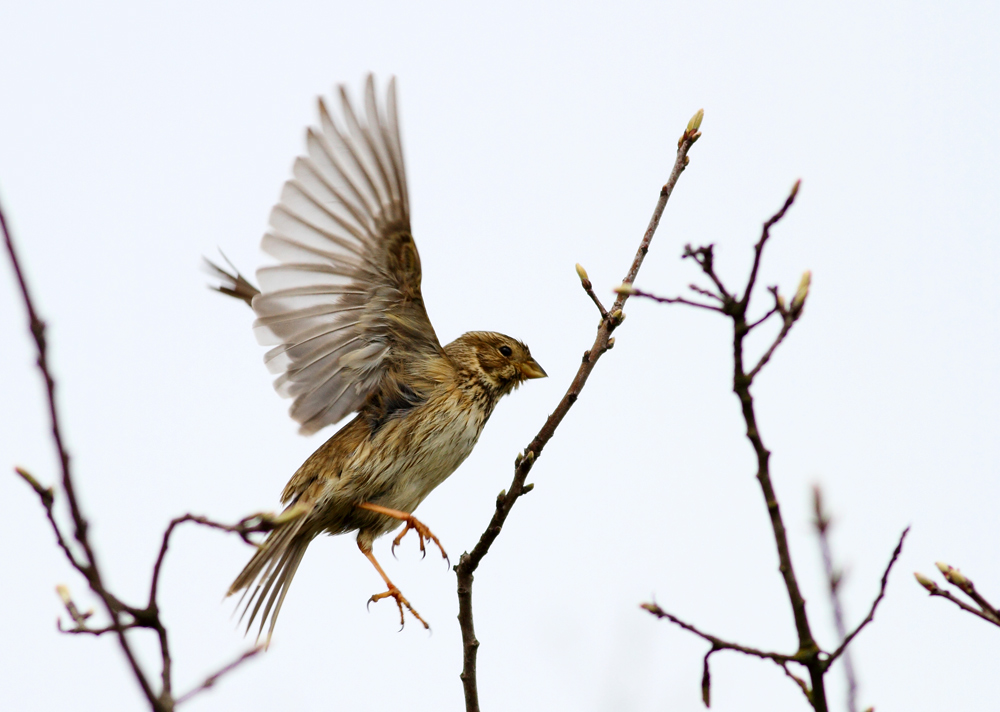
(342, 306)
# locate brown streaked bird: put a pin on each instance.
(344, 312)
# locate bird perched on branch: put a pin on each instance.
(344, 312)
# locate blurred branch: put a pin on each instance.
(122, 617)
(610, 320)
(834, 577)
(809, 654)
(987, 611)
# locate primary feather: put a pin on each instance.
(343, 304)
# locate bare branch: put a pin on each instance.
(83, 630)
(666, 300)
(705, 292)
(246, 526)
(800, 682)
(47, 497)
(770, 313)
(706, 260)
(758, 249)
(214, 677)
(717, 642)
(878, 599)
(785, 328)
(469, 561)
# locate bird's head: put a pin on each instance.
(499, 362)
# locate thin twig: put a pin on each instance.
(47, 497)
(987, 611)
(944, 593)
(83, 630)
(706, 260)
(669, 300)
(705, 292)
(717, 642)
(963, 583)
(469, 561)
(984, 604)
(754, 325)
(798, 681)
(878, 599)
(758, 249)
(786, 326)
(88, 567)
(588, 287)
(214, 677)
(245, 527)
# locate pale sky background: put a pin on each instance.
(135, 138)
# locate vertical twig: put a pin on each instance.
(610, 320)
(834, 578)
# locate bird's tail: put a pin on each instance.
(273, 567)
(235, 284)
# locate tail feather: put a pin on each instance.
(283, 582)
(234, 284)
(272, 568)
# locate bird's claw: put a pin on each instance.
(400, 602)
(423, 532)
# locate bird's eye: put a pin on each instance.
(506, 351)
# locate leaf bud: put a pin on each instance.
(802, 292)
(695, 123)
(63, 592)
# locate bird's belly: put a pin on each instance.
(422, 449)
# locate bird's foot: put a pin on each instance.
(424, 533)
(400, 602)
(411, 523)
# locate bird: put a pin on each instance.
(343, 312)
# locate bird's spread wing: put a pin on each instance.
(343, 306)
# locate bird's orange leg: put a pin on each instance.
(411, 523)
(393, 591)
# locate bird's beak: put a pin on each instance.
(531, 369)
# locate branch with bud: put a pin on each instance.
(719, 298)
(985, 610)
(611, 319)
(121, 616)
